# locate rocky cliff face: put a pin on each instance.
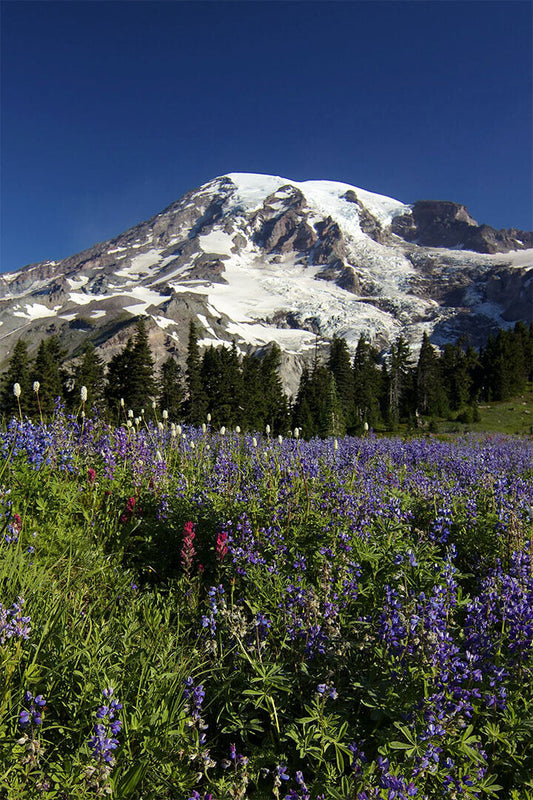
(258, 258)
(438, 223)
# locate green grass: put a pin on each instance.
(513, 416)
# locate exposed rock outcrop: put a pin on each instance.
(330, 246)
(440, 223)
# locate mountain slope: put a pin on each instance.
(260, 258)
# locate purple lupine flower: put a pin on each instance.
(104, 740)
(280, 774)
(327, 690)
(33, 713)
(13, 623)
(195, 695)
(263, 625)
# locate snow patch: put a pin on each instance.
(137, 309)
(77, 283)
(37, 311)
(291, 340)
(162, 322)
(205, 324)
(80, 299)
(216, 242)
(147, 297)
(140, 263)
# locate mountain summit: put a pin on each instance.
(260, 258)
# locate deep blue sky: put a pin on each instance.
(112, 110)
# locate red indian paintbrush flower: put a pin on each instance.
(222, 547)
(187, 550)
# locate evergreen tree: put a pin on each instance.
(456, 377)
(302, 415)
(339, 365)
(368, 381)
(18, 371)
(474, 369)
(195, 406)
(331, 422)
(400, 389)
(430, 398)
(529, 353)
(316, 410)
(48, 371)
(221, 381)
(275, 401)
(497, 372)
(130, 375)
(118, 379)
(171, 388)
(90, 372)
(142, 386)
(518, 357)
(253, 401)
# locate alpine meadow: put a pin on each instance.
(199, 612)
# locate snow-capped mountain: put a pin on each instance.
(259, 258)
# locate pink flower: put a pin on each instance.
(222, 547)
(187, 550)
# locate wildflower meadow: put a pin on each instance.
(199, 614)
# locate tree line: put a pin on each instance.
(340, 395)
(381, 391)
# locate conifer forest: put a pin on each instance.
(337, 396)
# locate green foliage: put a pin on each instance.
(195, 406)
(51, 376)
(118, 378)
(368, 386)
(142, 388)
(430, 396)
(89, 372)
(283, 633)
(18, 371)
(130, 375)
(340, 367)
(171, 393)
